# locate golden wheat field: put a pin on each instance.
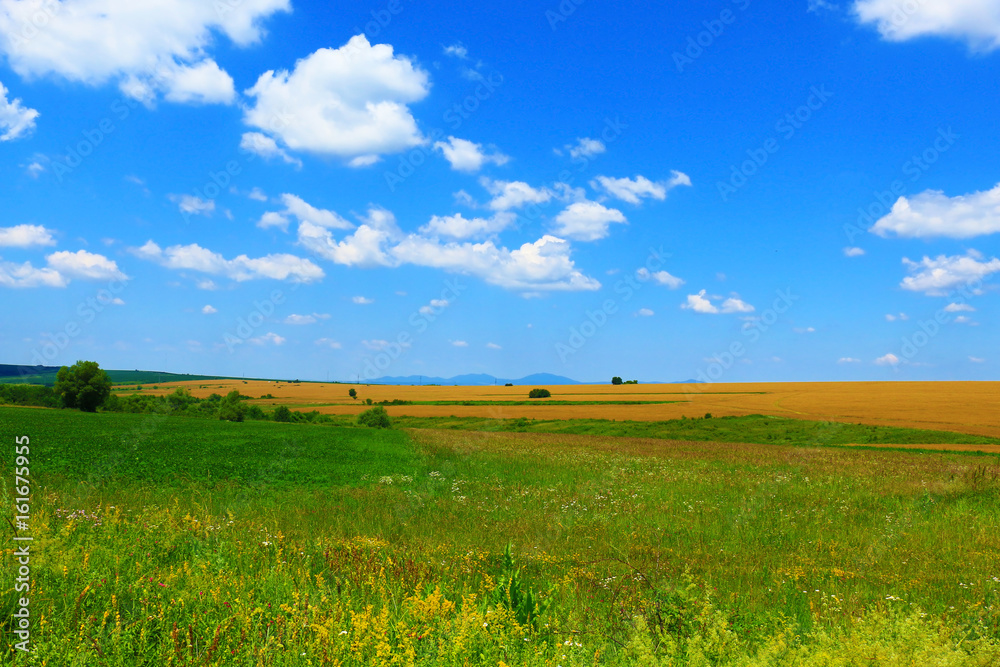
(965, 407)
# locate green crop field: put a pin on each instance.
(185, 541)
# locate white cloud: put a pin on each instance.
(959, 308)
(633, 190)
(300, 319)
(160, 49)
(459, 343)
(659, 277)
(346, 102)
(853, 252)
(977, 22)
(804, 330)
(457, 50)
(195, 258)
(269, 338)
(363, 161)
(699, 303)
(191, 205)
(931, 213)
(514, 194)
(963, 319)
(209, 310)
(587, 221)
(434, 307)
(257, 195)
(848, 360)
(542, 265)
(645, 312)
(305, 212)
(35, 169)
(62, 267)
(887, 360)
(328, 342)
(458, 227)
(25, 275)
(586, 147)
(935, 277)
(892, 318)
(368, 246)
(85, 265)
(493, 346)
(273, 219)
(16, 120)
(265, 147)
(977, 360)
(25, 236)
(464, 155)
(362, 301)
(206, 285)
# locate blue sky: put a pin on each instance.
(731, 191)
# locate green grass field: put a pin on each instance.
(183, 541)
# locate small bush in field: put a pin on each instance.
(539, 393)
(375, 418)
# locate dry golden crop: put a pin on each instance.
(965, 407)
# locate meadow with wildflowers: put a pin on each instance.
(182, 541)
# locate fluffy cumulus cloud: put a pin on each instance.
(977, 22)
(887, 360)
(937, 276)
(85, 265)
(853, 251)
(349, 102)
(264, 146)
(586, 147)
(464, 155)
(63, 267)
(191, 205)
(159, 48)
(209, 309)
(633, 190)
(195, 258)
(369, 245)
(270, 338)
(306, 212)
(509, 195)
(542, 265)
(700, 303)
(659, 277)
(25, 236)
(932, 213)
(587, 221)
(16, 120)
(459, 227)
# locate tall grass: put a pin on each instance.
(188, 542)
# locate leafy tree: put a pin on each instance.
(539, 393)
(282, 414)
(352, 392)
(616, 380)
(232, 408)
(83, 385)
(368, 401)
(375, 418)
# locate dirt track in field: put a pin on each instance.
(964, 407)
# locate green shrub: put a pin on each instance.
(282, 414)
(375, 418)
(539, 393)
